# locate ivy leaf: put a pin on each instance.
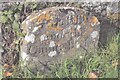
(17, 16)
(11, 17)
(3, 19)
(16, 29)
(15, 26)
(34, 6)
(9, 12)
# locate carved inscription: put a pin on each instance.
(59, 29)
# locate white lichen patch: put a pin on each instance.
(78, 27)
(62, 35)
(52, 44)
(30, 38)
(43, 37)
(29, 27)
(28, 17)
(24, 56)
(69, 8)
(52, 53)
(72, 34)
(94, 34)
(77, 45)
(57, 34)
(44, 12)
(78, 38)
(27, 22)
(64, 31)
(35, 29)
(71, 12)
(93, 24)
(63, 52)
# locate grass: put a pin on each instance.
(103, 64)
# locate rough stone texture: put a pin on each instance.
(1, 48)
(56, 33)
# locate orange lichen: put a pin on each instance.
(6, 66)
(47, 17)
(7, 73)
(75, 19)
(55, 28)
(93, 20)
(44, 16)
(87, 32)
(41, 17)
(92, 75)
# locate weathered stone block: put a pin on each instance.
(56, 33)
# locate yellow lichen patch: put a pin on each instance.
(84, 18)
(34, 18)
(6, 65)
(59, 28)
(49, 24)
(55, 28)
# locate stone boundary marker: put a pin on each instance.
(57, 33)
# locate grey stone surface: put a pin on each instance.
(57, 33)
